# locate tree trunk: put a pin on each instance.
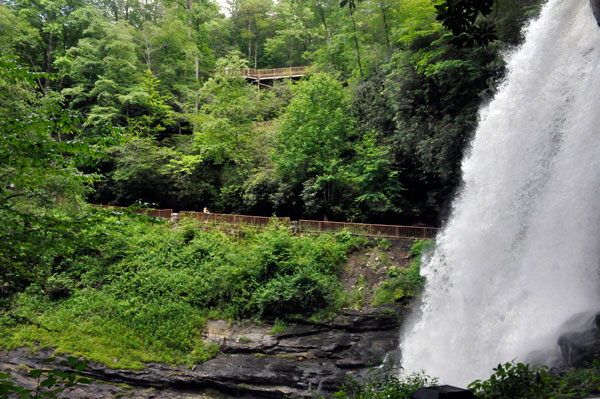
(249, 38)
(356, 44)
(327, 31)
(190, 6)
(48, 66)
(255, 54)
(387, 30)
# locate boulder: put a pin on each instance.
(443, 392)
(582, 345)
(596, 9)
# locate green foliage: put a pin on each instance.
(320, 154)
(518, 380)
(140, 171)
(385, 384)
(390, 135)
(278, 327)
(137, 290)
(515, 380)
(509, 381)
(420, 247)
(316, 132)
(50, 382)
(41, 189)
(402, 284)
(463, 19)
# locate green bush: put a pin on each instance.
(517, 380)
(403, 283)
(509, 381)
(385, 384)
(301, 293)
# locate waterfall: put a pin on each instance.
(521, 252)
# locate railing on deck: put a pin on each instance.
(233, 220)
(156, 213)
(275, 73)
(369, 230)
(304, 226)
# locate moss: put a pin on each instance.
(278, 327)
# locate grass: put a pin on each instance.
(278, 327)
(96, 336)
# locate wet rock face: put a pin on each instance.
(596, 9)
(254, 363)
(443, 392)
(580, 347)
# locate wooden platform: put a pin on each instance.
(274, 73)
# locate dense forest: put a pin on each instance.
(374, 133)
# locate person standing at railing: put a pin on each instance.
(206, 213)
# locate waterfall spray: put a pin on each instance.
(521, 252)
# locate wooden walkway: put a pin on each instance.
(232, 220)
(369, 230)
(274, 73)
(301, 226)
(155, 213)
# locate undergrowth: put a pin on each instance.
(403, 284)
(138, 290)
(510, 381)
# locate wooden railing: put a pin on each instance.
(233, 220)
(369, 230)
(157, 213)
(274, 73)
(304, 226)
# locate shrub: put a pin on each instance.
(515, 380)
(384, 384)
(58, 286)
(301, 293)
(403, 283)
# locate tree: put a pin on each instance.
(250, 20)
(375, 184)
(41, 190)
(314, 140)
(351, 8)
(59, 24)
(293, 37)
(105, 66)
(466, 20)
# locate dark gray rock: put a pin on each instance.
(443, 392)
(254, 363)
(582, 345)
(596, 9)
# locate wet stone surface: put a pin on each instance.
(254, 362)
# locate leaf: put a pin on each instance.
(35, 373)
(48, 383)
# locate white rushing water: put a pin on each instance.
(521, 252)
